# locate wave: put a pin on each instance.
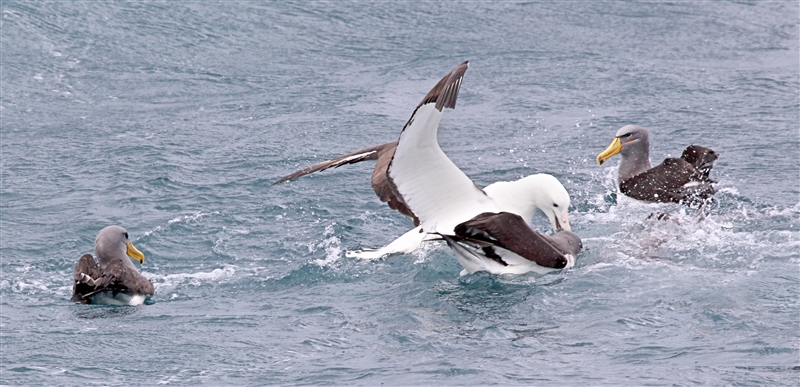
(180, 219)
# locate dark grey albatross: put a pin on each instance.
(113, 279)
(682, 180)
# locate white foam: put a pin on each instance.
(195, 279)
(52, 284)
(332, 246)
(728, 238)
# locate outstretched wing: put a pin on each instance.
(430, 184)
(380, 181)
(371, 153)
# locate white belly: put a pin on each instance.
(121, 298)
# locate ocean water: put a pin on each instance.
(172, 119)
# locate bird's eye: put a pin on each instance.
(626, 135)
(126, 235)
(555, 205)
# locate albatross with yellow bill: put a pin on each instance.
(113, 279)
(681, 180)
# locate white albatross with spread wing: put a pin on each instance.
(487, 229)
(522, 197)
(448, 203)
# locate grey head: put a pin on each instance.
(568, 242)
(633, 144)
(112, 243)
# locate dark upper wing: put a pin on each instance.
(510, 232)
(673, 181)
(445, 93)
(380, 181)
(88, 266)
(371, 153)
(701, 158)
(117, 276)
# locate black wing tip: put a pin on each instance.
(445, 93)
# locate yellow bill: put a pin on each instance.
(134, 253)
(614, 148)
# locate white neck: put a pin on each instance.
(522, 197)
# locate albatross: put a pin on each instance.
(113, 279)
(522, 197)
(449, 204)
(682, 180)
(503, 243)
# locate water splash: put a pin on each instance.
(332, 246)
(194, 279)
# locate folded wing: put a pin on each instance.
(510, 232)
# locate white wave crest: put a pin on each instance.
(194, 279)
(180, 219)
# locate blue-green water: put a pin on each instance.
(173, 119)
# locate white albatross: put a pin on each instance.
(448, 203)
(520, 198)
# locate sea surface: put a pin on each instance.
(173, 119)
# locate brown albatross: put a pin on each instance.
(681, 180)
(113, 279)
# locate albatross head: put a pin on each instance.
(553, 200)
(113, 243)
(550, 196)
(631, 141)
(633, 144)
